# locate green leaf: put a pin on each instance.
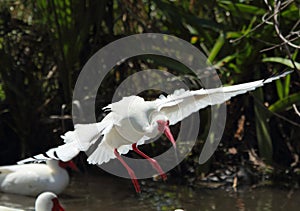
(286, 62)
(285, 103)
(287, 82)
(217, 47)
(2, 93)
(291, 13)
(283, 89)
(225, 60)
(233, 34)
(242, 8)
(279, 89)
(167, 62)
(264, 140)
(179, 17)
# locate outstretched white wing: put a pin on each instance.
(181, 103)
(83, 136)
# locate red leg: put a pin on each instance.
(152, 161)
(130, 172)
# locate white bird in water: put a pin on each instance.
(35, 178)
(133, 120)
(46, 201)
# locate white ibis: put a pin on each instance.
(133, 120)
(46, 201)
(35, 178)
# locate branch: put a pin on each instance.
(276, 25)
(296, 110)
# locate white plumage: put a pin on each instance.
(133, 120)
(46, 201)
(33, 179)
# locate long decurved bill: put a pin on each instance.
(163, 126)
(56, 205)
(69, 164)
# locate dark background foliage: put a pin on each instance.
(45, 43)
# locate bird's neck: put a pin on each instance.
(53, 164)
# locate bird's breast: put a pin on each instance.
(130, 130)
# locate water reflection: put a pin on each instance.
(90, 192)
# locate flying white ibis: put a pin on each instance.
(133, 120)
(46, 201)
(35, 178)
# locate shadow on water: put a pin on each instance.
(93, 192)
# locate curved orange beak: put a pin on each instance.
(163, 127)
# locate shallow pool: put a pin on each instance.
(89, 192)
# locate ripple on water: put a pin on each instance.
(90, 192)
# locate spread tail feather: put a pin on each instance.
(102, 154)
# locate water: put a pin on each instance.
(90, 192)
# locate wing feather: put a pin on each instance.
(181, 104)
(83, 136)
(105, 149)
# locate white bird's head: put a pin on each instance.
(162, 124)
(48, 201)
